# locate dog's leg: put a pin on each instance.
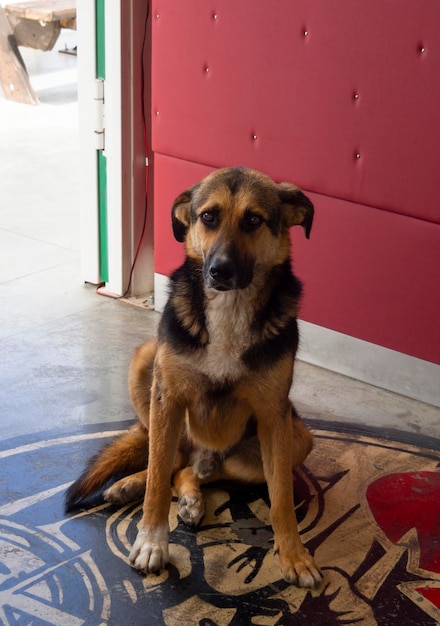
(186, 482)
(203, 465)
(150, 550)
(276, 442)
(140, 379)
(190, 505)
(302, 440)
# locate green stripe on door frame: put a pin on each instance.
(101, 159)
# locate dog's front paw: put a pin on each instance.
(191, 509)
(301, 570)
(150, 550)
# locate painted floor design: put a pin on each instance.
(369, 510)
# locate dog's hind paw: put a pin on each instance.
(206, 462)
(128, 489)
(191, 509)
(150, 550)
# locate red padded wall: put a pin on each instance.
(225, 72)
(341, 99)
(362, 268)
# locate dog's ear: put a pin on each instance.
(181, 214)
(296, 208)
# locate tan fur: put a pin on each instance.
(219, 409)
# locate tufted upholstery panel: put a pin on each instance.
(340, 98)
(349, 109)
(367, 273)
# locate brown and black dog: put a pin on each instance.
(211, 392)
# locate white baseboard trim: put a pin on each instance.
(370, 363)
(160, 291)
(355, 358)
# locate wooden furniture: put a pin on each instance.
(32, 24)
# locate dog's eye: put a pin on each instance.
(208, 217)
(252, 221)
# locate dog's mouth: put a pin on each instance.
(226, 283)
(218, 285)
(221, 288)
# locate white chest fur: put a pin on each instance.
(229, 316)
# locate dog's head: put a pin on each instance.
(235, 224)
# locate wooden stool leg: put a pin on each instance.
(14, 79)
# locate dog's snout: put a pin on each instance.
(224, 273)
(221, 269)
(228, 270)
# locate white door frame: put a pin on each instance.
(88, 173)
(113, 147)
(125, 155)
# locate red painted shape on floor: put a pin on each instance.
(432, 594)
(400, 502)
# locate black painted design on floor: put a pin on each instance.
(368, 510)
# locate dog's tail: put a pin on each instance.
(125, 455)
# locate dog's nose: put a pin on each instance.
(221, 270)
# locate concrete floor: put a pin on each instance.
(64, 355)
(64, 349)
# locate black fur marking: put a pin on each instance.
(186, 283)
(251, 427)
(279, 316)
(266, 353)
(74, 502)
(285, 295)
(273, 222)
(171, 327)
(219, 398)
(235, 179)
(219, 391)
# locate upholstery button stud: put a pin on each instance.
(306, 32)
(254, 137)
(357, 155)
(422, 50)
(215, 16)
(356, 96)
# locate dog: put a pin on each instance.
(211, 391)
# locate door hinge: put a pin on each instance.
(99, 114)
